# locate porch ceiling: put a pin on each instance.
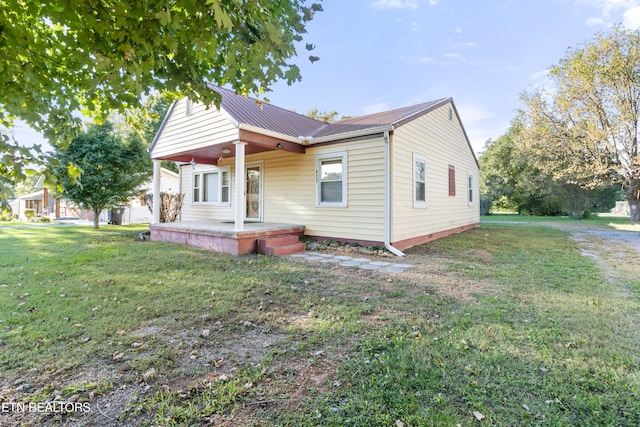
(256, 143)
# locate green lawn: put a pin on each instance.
(598, 219)
(504, 325)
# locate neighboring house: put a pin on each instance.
(621, 208)
(136, 210)
(45, 205)
(40, 202)
(397, 178)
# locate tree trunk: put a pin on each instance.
(633, 195)
(96, 218)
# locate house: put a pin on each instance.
(397, 178)
(38, 201)
(46, 205)
(136, 210)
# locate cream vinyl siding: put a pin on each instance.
(201, 128)
(442, 142)
(202, 211)
(290, 191)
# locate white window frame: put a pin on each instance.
(188, 107)
(419, 204)
(471, 193)
(320, 158)
(201, 173)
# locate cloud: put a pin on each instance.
(452, 55)
(421, 60)
(539, 75)
(628, 9)
(631, 17)
(472, 113)
(375, 108)
(476, 122)
(395, 4)
(465, 44)
(595, 21)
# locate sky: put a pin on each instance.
(377, 55)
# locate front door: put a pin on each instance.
(254, 192)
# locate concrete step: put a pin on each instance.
(269, 242)
(281, 245)
(288, 249)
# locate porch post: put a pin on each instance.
(240, 187)
(156, 192)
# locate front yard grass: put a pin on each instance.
(511, 326)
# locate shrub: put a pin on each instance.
(7, 216)
(30, 214)
(170, 205)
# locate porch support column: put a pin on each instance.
(156, 192)
(240, 187)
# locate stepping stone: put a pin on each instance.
(331, 260)
(361, 260)
(391, 270)
(402, 265)
(343, 257)
(369, 266)
(298, 256)
(314, 258)
(380, 263)
(349, 264)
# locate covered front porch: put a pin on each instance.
(262, 237)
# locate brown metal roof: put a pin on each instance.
(266, 116)
(396, 117)
(270, 117)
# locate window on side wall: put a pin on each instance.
(419, 181)
(331, 179)
(211, 186)
(452, 180)
(470, 189)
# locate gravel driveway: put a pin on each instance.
(617, 253)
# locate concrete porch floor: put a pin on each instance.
(220, 236)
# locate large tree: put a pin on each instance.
(585, 130)
(59, 57)
(99, 170)
(511, 177)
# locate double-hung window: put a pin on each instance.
(470, 189)
(331, 179)
(211, 186)
(419, 181)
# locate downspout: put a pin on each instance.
(387, 199)
(180, 190)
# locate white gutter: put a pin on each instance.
(387, 198)
(309, 140)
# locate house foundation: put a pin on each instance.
(221, 236)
